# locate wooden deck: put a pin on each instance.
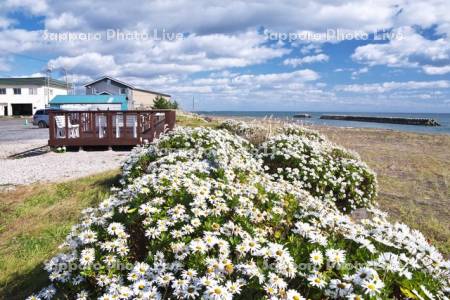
(108, 128)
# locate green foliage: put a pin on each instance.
(161, 102)
(34, 221)
(326, 171)
(193, 120)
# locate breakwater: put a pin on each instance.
(390, 120)
(302, 116)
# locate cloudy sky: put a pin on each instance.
(328, 55)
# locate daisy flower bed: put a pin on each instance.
(205, 214)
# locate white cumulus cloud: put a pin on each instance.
(393, 85)
(408, 49)
(295, 62)
(432, 70)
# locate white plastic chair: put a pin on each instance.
(119, 123)
(101, 124)
(130, 119)
(133, 119)
(74, 129)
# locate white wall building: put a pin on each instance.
(23, 96)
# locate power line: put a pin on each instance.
(26, 56)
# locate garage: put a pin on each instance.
(25, 109)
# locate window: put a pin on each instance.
(123, 91)
(17, 91)
(51, 92)
(2, 91)
(32, 91)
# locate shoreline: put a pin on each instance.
(279, 120)
(383, 120)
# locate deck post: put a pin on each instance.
(170, 119)
(66, 128)
(138, 129)
(152, 127)
(109, 127)
(80, 125)
(51, 128)
(92, 122)
(124, 124)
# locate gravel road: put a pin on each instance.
(15, 137)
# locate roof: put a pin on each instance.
(111, 78)
(88, 99)
(41, 81)
(153, 92)
(126, 84)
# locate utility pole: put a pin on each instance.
(193, 104)
(67, 82)
(49, 73)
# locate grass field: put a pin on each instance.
(413, 172)
(413, 176)
(34, 220)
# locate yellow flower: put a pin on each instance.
(229, 268)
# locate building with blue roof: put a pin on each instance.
(90, 102)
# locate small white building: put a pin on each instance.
(23, 96)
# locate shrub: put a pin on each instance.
(163, 103)
(254, 133)
(292, 129)
(199, 218)
(326, 171)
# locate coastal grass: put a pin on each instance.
(34, 220)
(194, 121)
(413, 175)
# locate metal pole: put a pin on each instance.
(65, 77)
(48, 86)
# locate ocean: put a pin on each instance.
(443, 119)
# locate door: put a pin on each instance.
(22, 109)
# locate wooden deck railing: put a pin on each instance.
(108, 128)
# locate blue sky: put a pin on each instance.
(243, 55)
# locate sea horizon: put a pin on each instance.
(442, 118)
